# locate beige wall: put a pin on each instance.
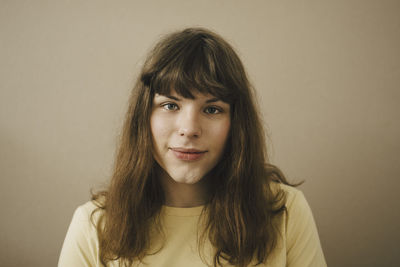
(328, 79)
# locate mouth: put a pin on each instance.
(188, 154)
(187, 150)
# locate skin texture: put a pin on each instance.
(180, 123)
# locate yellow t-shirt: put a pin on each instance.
(298, 244)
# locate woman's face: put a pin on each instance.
(189, 135)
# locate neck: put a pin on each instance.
(184, 195)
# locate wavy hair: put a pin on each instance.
(241, 214)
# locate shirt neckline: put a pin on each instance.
(183, 212)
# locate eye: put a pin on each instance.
(170, 106)
(213, 110)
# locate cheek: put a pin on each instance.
(159, 129)
(221, 133)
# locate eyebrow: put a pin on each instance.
(212, 100)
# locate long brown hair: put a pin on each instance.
(242, 209)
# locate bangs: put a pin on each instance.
(188, 68)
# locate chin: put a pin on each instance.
(186, 180)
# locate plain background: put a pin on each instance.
(327, 74)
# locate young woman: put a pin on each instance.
(191, 184)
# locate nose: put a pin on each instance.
(189, 124)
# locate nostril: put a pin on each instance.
(190, 131)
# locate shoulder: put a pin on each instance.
(298, 215)
(292, 196)
(83, 226)
(85, 219)
(87, 207)
(80, 246)
(297, 207)
(302, 241)
(87, 212)
(90, 211)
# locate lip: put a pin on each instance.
(187, 150)
(188, 154)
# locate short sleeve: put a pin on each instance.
(80, 248)
(302, 241)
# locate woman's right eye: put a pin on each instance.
(170, 106)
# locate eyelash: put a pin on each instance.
(218, 110)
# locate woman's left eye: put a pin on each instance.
(212, 110)
(170, 106)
